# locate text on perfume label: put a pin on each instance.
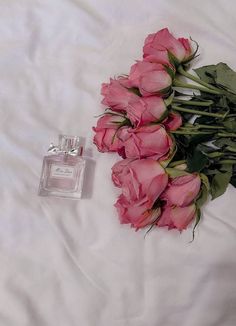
(62, 171)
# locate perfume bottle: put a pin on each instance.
(63, 169)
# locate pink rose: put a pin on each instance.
(177, 217)
(106, 138)
(160, 57)
(138, 214)
(186, 44)
(142, 182)
(183, 190)
(162, 42)
(120, 170)
(150, 78)
(140, 179)
(116, 96)
(173, 121)
(146, 110)
(151, 140)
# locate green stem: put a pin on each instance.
(198, 126)
(179, 83)
(182, 132)
(227, 161)
(231, 149)
(226, 134)
(210, 127)
(194, 103)
(217, 154)
(173, 164)
(214, 154)
(194, 78)
(209, 114)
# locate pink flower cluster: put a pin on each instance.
(149, 196)
(137, 126)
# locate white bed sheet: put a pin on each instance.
(67, 263)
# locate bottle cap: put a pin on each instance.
(70, 144)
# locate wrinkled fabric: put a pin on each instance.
(70, 263)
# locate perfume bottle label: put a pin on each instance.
(62, 171)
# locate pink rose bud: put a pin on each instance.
(162, 42)
(186, 44)
(146, 110)
(120, 170)
(177, 217)
(173, 121)
(147, 141)
(116, 96)
(107, 134)
(183, 190)
(138, 214)
(140, 179)
(150, 78)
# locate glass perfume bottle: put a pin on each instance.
(63, 169)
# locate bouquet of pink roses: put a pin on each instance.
(176, 148)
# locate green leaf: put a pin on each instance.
(220, 183)
(172, 152)
(203, 195)
(198, 218)
(204, 192)
(210, 171)
(226, 77)
(207, 73)
(222, 76)
(230, 124)
(223, 103)
(173, 59)
(174, 173)
(231, 148)
(170, 71)
(222, 142)
(231, 97)
(169, 99)
(205, 181)
(197, 161)
(226, 168)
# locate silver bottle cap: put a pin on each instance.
(70, 144)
